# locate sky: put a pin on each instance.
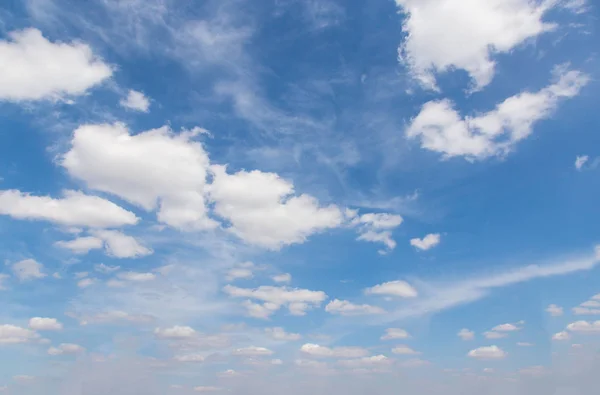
(292, 196)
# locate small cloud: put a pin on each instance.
(282, 278)
(489, 352)
(427, 242)
(560, 336)
(580, 161)
(466, 334)
(45, 324)
(28, 269)
(136, 101)
(395, 333)
(554, 310)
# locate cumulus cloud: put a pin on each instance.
(316, 350)
(65, 349)
(81, 245)
(109, 158)
(468, 34)
(28, 269)
(282, 278)
(393, 288)
(73, 209)
(11, 334)
(346, 308)
(279, 333)
(554, 310)
(395, 333)
(584, 327)
(489, 352)
(106, 269)
(296, 300)
(119, 245)
(34, 68)
(404, 350)
(176, 332)
(263, 209)
(372, 361)
(466, 334)
(440, 128)
(45, 324)
(135, 101)
(86, 282)
(561, 336)
(427, 242)
(136, 276)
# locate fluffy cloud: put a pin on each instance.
(466, 334)
(561, 336)
(176, 332)
(346, 308)
(467, 34)
(580, 161)
(66, 348)
(316, 350)
(279, 333)
(252, 351)
(243, 271)
(34, 68)
(119, 245)
(376, 227)
(584, 327)
(45, 324)
(110, 159)
(506, 328)
(489, 352)
(74, 209)
(282, 278)
(440, 128)
(554, 310)
(427, 242)
(395, 333)
(404, 350)
(393, 288)
(28, 269)
(494, 335)
(264, 211)
(11, 334)
(136, 101)
(81, 245)
(297, 300)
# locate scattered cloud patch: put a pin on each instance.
(28, 269)
(554, 310)
(466, 334)
(580, 161)
(316, 350)
(45, 324)
(427, 242)
(136, 101)
(346, 308)
(489, 352)
(395, 333)
(393, 288)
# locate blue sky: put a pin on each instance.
(252, 197)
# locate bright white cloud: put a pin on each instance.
(440, 128)
(252, 351)
(466, 334)
(11, 334)
(489, 352)
(33, 68)
(404, 350)
(395, 333)
(297, 300)
(119, 245)
(346, 308)
(379, 237)
(316, 350)
(66, 349)
(45, 324)
(136, 276)
(554, 310)
(176, 332)
(136, 101)
(376, 227)
(264, 211)
(506, 328)
(28, 269)
(584, 327)
(111, 159)
(282, 278)
(81, 245)
(467, 35)
(580, 161)
(73, 209)
(564, 335)
(279, 333)
(427, 242)
(393, 288)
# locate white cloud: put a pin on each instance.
(282, 278)
(74, 209)
(239, 272)
(45, 324)
(176, 332)
(375, 360)
(580, 161)
(585, 311)
(34, 68)
(271, 216)
(102, 268)
(66, 348)
(468, 34)
(263, 311)
(404, 350)
(316, 350)
(376, 227)
(297, 300)
(346, 308)
(28, 269)
(252, 351)
(440, 128)
(427, 242)
(506, 328)
(86, 282)
(136, 101)
(393, 288)
(561, 336)
(554, 310)
(494, 335)
(591, 303)
(115, 316)
(379, 237)
(466, 334)
(584, 327)
(279, 333)
(11, 334)
(110, 159)
(120, 245)
(489, 352)
(81, 245)
(395, 333)
(136, 276)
